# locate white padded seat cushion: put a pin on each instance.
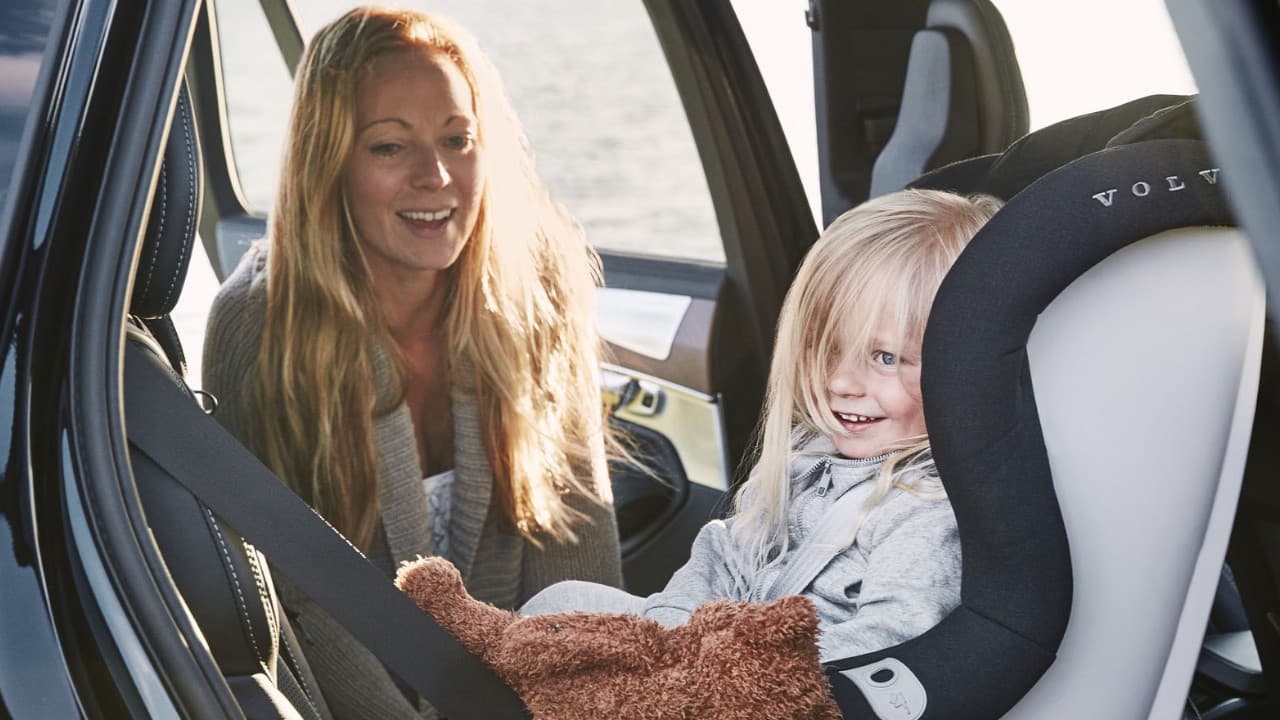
(1145, 372)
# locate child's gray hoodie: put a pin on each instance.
(900, 577)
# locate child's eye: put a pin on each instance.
(886, 359)
(459, 142)
(386, 149)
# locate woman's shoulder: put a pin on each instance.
(236, 319)
(242, 298)
(249, 279)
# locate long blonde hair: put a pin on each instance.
(520, 305)
(881, 261)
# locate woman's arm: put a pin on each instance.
(597, 555)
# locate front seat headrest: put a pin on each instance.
(171, 226)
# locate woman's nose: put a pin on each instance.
(430, 172)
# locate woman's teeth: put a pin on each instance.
(426, 216)
(849, 417)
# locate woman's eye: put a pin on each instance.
(458, 142)
(887, 359)
(385, 149)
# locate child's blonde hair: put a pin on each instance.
(881, 262)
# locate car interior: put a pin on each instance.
(224, 581)
(1095, 356)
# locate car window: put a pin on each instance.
(781, 43)
(1088, 55)
(24, 30)
(258, 87)
(600, 108)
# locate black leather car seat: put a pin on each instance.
(224, 581)
(1109, 307)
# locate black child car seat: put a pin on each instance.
(1091, 368)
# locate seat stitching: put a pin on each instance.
(155, 247)
(296, 667)
(251, 556)
(191, 206)
(235, 579)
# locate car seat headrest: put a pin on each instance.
(984, 426)
(1051, 147)
(1168, 123)
(962, 95)
(175, 214)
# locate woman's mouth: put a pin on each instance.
(853, 422)
(427, 219)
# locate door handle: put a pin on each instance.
(638, 397)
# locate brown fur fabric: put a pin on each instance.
(731, 661)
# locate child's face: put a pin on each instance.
(875, 397)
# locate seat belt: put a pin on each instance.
(164, 423)
(828, 539)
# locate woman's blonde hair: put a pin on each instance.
(881, 262)
(520, 304)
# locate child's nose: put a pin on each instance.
(847, 381)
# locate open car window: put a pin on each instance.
(600, 109)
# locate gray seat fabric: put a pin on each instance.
(1146, 372)
(962, 96)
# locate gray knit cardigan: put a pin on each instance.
(499, 568)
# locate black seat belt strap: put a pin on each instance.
(164, 423)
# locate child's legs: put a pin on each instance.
(576, 595)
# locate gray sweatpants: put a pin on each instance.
(580, 596)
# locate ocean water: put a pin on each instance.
(593, 91)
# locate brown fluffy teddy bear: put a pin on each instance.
(732, 660)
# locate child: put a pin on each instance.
(843, 419)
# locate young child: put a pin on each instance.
(843, 416)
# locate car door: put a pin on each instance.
(675, 165)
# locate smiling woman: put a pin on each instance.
(415, 174)
(412, 348)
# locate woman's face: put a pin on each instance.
(414, 178)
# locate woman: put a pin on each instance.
(422, 309)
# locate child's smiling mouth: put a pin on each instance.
(854, 422)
